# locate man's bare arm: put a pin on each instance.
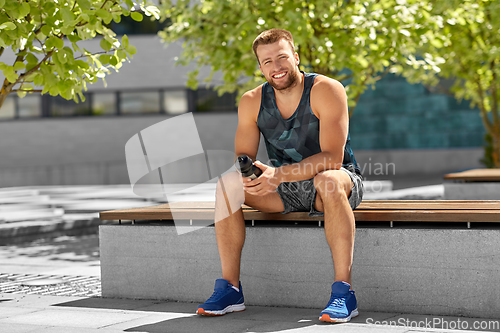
(247, 134)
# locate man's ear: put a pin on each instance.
(297, 59)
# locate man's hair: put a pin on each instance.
(272, 36)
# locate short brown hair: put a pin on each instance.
(272, 36)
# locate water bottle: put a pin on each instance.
(247, 168)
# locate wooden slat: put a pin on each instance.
(429, 216)
(378, 204)
(484, 175)
(431, 205)
(367, 204)
(360, 214)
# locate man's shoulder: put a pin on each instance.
(251, 98)
(249, 105)
(327, 94)
(325, 82)
(253, 94)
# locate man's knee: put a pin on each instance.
(332, 184)
(231, 186)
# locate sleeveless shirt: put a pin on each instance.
(296, 138)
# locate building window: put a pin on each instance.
(139, 102)
(30, 106)
(209, 100)
(8, 109)
(103, 104)
(60, 107)
(175, 102)
(130, 27)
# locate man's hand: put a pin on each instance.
(266, 183)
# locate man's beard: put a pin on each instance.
(291, 81)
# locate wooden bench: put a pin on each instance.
(481, 184)
(368, 211)
(414, 269)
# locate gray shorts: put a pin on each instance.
(300, 196)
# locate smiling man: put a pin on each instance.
(303, 118)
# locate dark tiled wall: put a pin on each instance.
(399, 115)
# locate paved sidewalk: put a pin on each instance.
(60, 260)
(78, 256)
(55, 314)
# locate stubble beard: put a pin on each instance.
(290, 83)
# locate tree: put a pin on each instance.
(465, 50)
(356, 42)
(46, 37)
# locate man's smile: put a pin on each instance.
(279, 75)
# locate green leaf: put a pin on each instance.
(46, 30)
(39, 80)
(121, 55)
(21, 94)
(131, 49)
(103, 13)
(10, 74)
(31, 58)
(105, 45)
(136, 16)
(113, 60)
(84, 4)
(104, 58)
(73, 38)
(19, 65)
(23, 10)
(125, 40)
(82, 64)
(2, 3)
(129, 3)
(117, 18)
(7, 26)
(54, 42)
(27, 86)
(53, 91)
(437, 43)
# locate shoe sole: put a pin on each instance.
(326, 318)
(228, 309)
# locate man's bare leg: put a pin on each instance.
(333, 188)
(230, 225)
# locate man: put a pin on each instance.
(304, 120)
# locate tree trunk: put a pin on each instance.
(3, 96)
(496, 149)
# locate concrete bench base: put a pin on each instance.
(422, 271)
(472, 191)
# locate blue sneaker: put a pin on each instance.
(342, 305)
(224, 299)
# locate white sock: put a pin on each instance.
(237, 289)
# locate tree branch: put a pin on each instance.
(356, 100)
(22, 76)
(494, 96)
(28, 91)
(384, 73)
(483, 113)
(102, 52)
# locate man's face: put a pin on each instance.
(279, 64)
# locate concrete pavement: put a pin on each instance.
(55, 314)
(78, 256)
